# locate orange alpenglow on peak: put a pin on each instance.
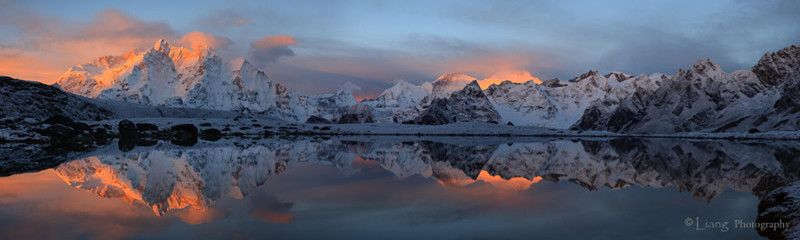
(457, 178)
(516, 76)
(515, 183)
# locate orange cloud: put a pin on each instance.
(515, 183)
(270, 49)
(274, 41)
(48, 46)
(269, 209)
(195, 216)
(195, 39)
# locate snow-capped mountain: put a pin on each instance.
(466, 105)
(449, 82)
(558, 104)
(552, 103)
(401, 102)
(706, 98)
(513, 76)
(404, 101)
(702, 98)
(168, 75)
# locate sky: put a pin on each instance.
(317, 46)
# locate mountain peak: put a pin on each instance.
(707, 67)
(516, 76)
(473, 85)
(455, 76)
(774, 68)
(238, 63)
(162, 46)
(588, 74)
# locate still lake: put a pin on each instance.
(396, 188)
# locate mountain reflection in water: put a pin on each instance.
(214, 181)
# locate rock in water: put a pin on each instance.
(100, 136)
(127, 130)
(184, 134)
(210, 134)
(128, 136)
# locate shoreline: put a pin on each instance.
(263, 128)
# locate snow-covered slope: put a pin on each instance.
(399, 103)
(174, 76)
(449, 82)
(558, 104)
(405, 101)
(466, 105)
(706, 98)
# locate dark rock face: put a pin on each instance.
(466, 105)
(184, 134)
(210, 134)
(553, 83)
(66, 134)
(705, 98)
(356, 114)
(100, 135)
(354, 118)
(776, 68)
(40, 102)
(146, 128)
(317, 120)
(780, 206)
(59, 119)
(127, 130)
(128, 136)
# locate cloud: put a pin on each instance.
(417, 59)
(267, 208)
(270, 49)
(350, 87)
(194, 39)
(194, 216)
(45, 47)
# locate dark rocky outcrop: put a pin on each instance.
(466, 105)
(128, 135)
(39, 101)
(705, 98)
(210, 134)
(553, 83)
(780, 206)
(183, 134)
(356, 114)
(66, 134)
(317, 120)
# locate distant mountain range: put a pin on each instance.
(701, 98)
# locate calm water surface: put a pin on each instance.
(396, 188)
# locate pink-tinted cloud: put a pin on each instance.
(270, 49)
(195, 39)
(47, 46)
